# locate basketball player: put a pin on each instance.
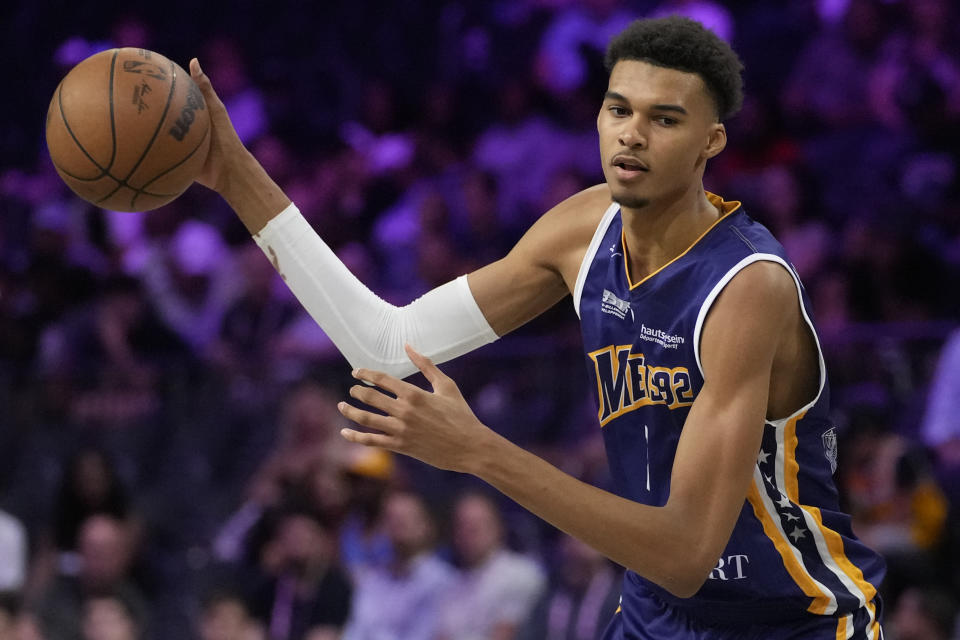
(711, 387)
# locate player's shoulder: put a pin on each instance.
(764, 279)
(763, 284)
(560, 237)
(577, 217)
(587, 205)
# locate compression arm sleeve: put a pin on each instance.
(442, 324)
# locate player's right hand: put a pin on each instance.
(225, 144)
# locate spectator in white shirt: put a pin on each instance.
(13, 553)
(400, 601)
(496, 588)
(941, 424)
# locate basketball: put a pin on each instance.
(128, 130)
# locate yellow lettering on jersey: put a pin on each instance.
(625, 381)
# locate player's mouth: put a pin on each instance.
(628, 167)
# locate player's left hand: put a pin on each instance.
(436, 427)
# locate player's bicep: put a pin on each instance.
(745, 324)
(721, 436)
(538, 271)
(514, 290)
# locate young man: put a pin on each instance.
(710, 382)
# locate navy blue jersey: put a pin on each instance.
(792, 552)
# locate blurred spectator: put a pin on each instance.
(523, 149)
(479, 232)
(132, 31)
(831, 299)
(28, 628)
(494, 589)
(250, 326)
(896, 505)
(575, 41)
(401, 601)
(15, 622)
(363, 540)
(13, 553)
(105, 549)
(90, 486)
(190, 282)
(941, 423)
(223, 59)
(920, 69)
(105, 357)
(828, 87)
(9, 610)
(110, 616)
(309, 432)
(302, 594)
(224, 616)
(308, 438)
(581, 599)
(712, 15)
(923, 614)
(374, 138)
(401, 231)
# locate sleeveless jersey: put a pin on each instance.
(792, 552)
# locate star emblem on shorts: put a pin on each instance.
(791, 517)
(762, 457)
(797, 533)
(783, 502)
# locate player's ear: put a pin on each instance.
(716, 141)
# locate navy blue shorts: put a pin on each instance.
(653, 619)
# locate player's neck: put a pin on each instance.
(659, 232)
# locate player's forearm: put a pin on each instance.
(371, 333)
(250, 191)
(663, 544)
(368, 331)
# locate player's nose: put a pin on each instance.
(632, 137)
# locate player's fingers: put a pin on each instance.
(367, 439)
(382, 380)
(370, 420)
(374, 398)
(203, 82)
(429, 370)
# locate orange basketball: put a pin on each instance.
(128, 130)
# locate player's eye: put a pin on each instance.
(618, 110)
(666, 121)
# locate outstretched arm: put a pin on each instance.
(676, 545)
(447, 322)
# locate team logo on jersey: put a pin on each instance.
(615, 306)
(830, 447)
(626, 381)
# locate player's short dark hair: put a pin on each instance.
(679, 43)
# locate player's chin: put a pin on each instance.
(628, 197)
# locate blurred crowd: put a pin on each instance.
(170, 464)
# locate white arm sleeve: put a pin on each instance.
(442, 324)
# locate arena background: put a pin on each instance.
(421, 138)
